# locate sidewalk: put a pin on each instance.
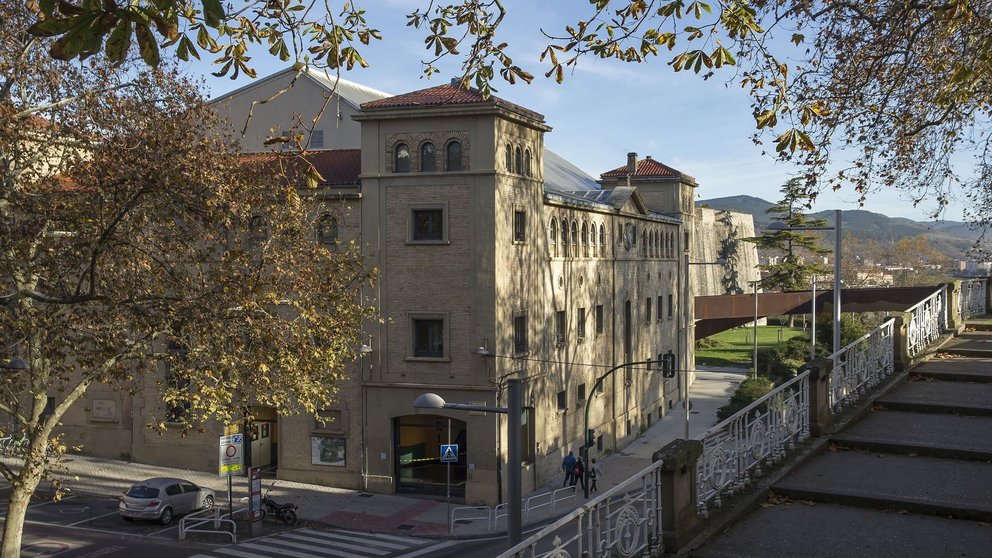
(364, 511)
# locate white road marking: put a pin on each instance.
(429, 549)
(92, 518)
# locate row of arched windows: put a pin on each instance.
(428, 157)
(325, 230)
(517, 161)
(570, 239)
(658, 244)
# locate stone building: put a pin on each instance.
(487, 244)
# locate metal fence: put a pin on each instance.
(929, 320)
(623, 521)
(862, 365)
(760, 434)
(971, 303)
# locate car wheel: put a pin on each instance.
(166, 517)
(208, 501)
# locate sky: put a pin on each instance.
(604, 109)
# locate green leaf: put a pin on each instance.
(119, 42)
(147, 45)
(213, 12)
(52, 27)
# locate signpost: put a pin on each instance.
(449, 455)
(231, 463)
(255, 500)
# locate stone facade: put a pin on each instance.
(558, 285)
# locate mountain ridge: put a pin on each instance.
(953, 238)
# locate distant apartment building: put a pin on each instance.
(486, 243)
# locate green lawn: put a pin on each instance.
(734, 347)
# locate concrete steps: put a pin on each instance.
(798, 530)
(912, 478)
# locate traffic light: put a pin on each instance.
(668, 364)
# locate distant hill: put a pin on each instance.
(953, 238)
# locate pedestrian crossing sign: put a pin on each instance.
(449, 453)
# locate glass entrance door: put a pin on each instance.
(417, 447)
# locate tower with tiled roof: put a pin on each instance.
(662, 188)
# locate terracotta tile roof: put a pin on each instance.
(339, 167)
(646, 167)
(444, 95)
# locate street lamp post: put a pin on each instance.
(780, 226)
(585, 432)
(754, 353)
(513, 411)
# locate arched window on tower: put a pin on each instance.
(518, 162)
(527, 164)
(453, 156)
(564, 237)
(602, 240)
(327, 230)
(509, 158)
(575, 239)
(401, 161)
(428, 158)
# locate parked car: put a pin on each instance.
(161, 499)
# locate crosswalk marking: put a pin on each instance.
(383, 536)
(311, 543)
(356, 547)
(429, 551)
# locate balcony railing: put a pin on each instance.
(862, 365)
(760, 434)
(928, 322)
(971, 303)
(623, 521)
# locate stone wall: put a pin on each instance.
(709, 234)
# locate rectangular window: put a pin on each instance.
(580, 395)
(599, 319)
(647, 310)
(671, 306)
(560, 327)
(582, 323)
(317, 139)
(661, 304)
(329, 420)
(562, 400)
(519, 226)
(427, 225)
(520, 335)
(179, 407)
(428, 337)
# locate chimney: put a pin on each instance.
(631, 163)
(648, 157)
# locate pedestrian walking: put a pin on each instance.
(568, 465)
(594, 473)
(577, 473)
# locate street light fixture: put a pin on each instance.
(685, 333)
(513, 410)
(780, 226)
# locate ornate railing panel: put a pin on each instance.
(760, 434)
(971, 303)
(624, 521)
(928, 321)
(862, 365)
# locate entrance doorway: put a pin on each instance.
(264, 436)
(417, 447)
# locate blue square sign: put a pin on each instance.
(449, 453)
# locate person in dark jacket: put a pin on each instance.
(577, 474)
(568, 465)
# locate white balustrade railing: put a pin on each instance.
(971, 303)
(623, 521)
(862, 365)
(760, 434)
(929, 320)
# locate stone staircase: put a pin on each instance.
(911, 478)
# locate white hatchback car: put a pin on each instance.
(161, 499)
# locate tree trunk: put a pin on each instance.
(13, 526)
